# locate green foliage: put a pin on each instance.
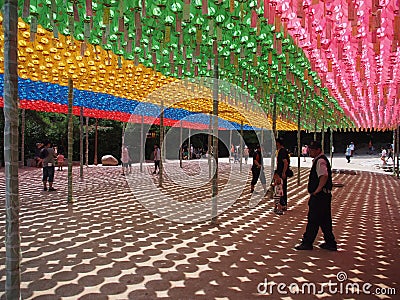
(53, 127)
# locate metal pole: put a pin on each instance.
(141, 144)
(23, 137)
(180, 145)
(81, 143)
(214, 209)
(298, 141)
(70, 137)
(87, 142)
(95, 142)
(12, 236)
(160, 175)
(241, 146)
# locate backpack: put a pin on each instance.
(43, 153)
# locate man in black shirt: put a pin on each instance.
(319, 212)
(282, 165)
(257, 170)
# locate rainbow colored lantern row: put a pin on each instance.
(180, 39)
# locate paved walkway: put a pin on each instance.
(107, 245)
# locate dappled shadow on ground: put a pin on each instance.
(106, 245)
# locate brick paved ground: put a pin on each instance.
(107, 245)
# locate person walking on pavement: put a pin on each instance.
(319, 204)
(157, 158)
(257, 170)
(348, 154)
(48, 155)
(304, 152)
(246, 154)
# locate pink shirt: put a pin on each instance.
(60, 158)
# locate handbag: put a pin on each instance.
(289, 172)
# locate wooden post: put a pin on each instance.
(189, 147)
(23, 137)
(315, 131)
(95, 142)
(398, 149)
(81, 143)
(274, 117)
(230, 145)
(180, 145)
(262, 136)
(160, 174)
(87, 142)
(331, 144)
(12, 205)
(323, 136)
(298, 141)
(141, 159)
(70, 137)
(214, 210)
(275, 135)
(241, 146)
(210, 152)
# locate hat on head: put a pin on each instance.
(315, 145)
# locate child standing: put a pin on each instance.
(278, 193)
(126, 160)
(60, 161)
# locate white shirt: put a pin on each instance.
(157, 154)
(321, 167)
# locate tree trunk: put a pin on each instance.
(12, 238)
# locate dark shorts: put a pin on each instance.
(48, 174)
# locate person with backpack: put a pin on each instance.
(48, 155)
(319, 204)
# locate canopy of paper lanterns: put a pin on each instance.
(334, 61)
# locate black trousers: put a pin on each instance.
(319, 215)
(283, 199)
(256, 173)
(156, 165)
